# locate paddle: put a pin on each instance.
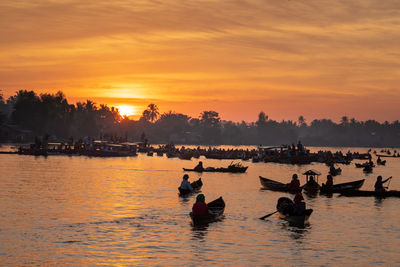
(390, 179)
(266, 216)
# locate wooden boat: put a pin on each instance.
(338, 188)
(367, 169)
(285, 209)
(230, 168)
(276, 186)
(215, 211)
(311, 187)
(363, 165)
(364, 193)
(196, 185)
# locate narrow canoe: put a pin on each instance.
(338, 188)
(215, 211)
(364, 193)
(229, 169)
(196, 185)
(276, 186)
(285, 209)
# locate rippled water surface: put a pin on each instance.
(76, 210)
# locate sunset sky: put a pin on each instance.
(316, 58)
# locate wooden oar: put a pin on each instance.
(266, 216)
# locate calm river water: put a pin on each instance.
(77, 210)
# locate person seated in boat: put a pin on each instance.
(379, 184)
(379, 160)
(332, 169)
(329, 182)
(311, 181)
(200, 207)
(294, 185)
(199, 167)
(299, 206)
(185, 185)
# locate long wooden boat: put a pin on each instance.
(365, 193)
(277, 186)
(338, 188)
(387, 156)
(196, 185)
(215, 211)
(231, 169)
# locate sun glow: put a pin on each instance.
(126, 110)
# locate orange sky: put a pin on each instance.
(316, 58)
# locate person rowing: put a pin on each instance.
(329, 182)
(299, 206)
(200, 207)
(379, 188)
(185, 185)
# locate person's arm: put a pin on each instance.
(386, 180)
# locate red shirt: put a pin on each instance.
(199, 208)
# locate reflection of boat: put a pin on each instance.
(276, 186)
(215, 211)
(338, 188)
(364, 193)
(196, 185)
(285, 209)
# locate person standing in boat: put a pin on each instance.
(299, 206)
(200, 207)
(185, 185)
(199, 167)
(379, 184)
(294, 185)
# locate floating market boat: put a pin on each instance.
(215, 211)
(196, 185)
(339, 188)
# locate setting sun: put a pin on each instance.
(126, 110)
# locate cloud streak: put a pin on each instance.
(253, 53)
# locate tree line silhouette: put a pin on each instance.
(52, 114)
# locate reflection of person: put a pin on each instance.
(379, 184)
(299, 206)
(199, 167)
(185, 185)
(294, 185)
(200, 207)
